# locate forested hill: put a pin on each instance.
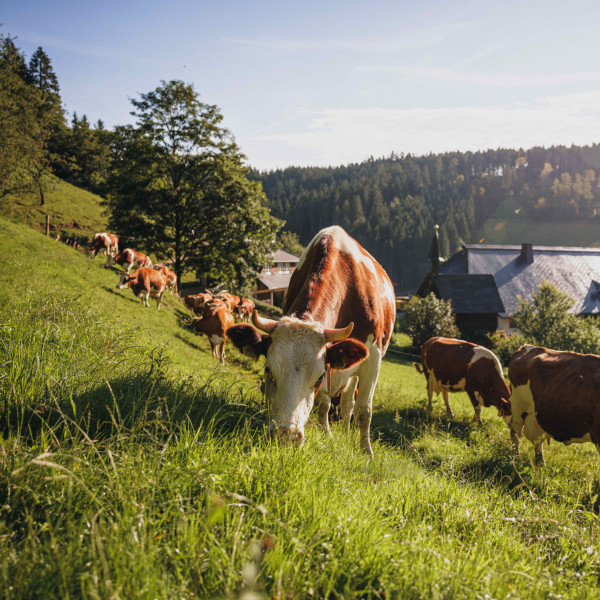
(391, 205)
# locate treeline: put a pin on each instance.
(391, 205)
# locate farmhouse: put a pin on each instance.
(273, 280)
(484, 282)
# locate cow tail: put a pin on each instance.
(417, 367)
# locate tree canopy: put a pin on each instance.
(179, 188)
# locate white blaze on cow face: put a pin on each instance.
(294, 370)
(122, 281)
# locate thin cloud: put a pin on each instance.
(529, 80)
(347, 136)
(412, 40)
(82, 49)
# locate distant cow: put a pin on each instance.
(244, 308)
(337, 289)
(129, 259)
(554, 395)
(145, 283)
(171, 277)
(214, 325)
(453, 365)
(104, 243)
(231, 299)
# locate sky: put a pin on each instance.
(331, 82)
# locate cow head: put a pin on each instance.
(488, 382)
(299, 355)
(124, 281)
(110, 260)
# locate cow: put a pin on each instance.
(106, 243)
(554, 395)
(128, 259)
(244, 308)
(451, 365)
(171, 277)
(214, 325)
(231, 299)
(145, 283)
(338, 289)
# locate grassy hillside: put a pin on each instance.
(72, 211)
(131, 465)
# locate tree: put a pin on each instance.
(289, 241)
(21, 153)
(427, 317)
(179, 188)
(547, 322)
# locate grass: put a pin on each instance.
(133, 466)
(73, 211)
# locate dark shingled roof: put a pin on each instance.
(276, 281)
(574, 271)
(469, 293)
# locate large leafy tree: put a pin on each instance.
(180, 188)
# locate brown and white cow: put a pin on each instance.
(554, 395)
(129, 259)
(337, 289)
(171, 277)
(145, 283)
(106, 243)
(214, 325)
(453, 365)
(243, 310)
(231, 299)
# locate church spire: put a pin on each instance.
(434, 251)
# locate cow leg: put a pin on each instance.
(347, 401)
(159, 300)
(144, 296)
(476, 406)
(447, 402)
(539, 454)
(129, 265)
(323, 412)
(429, 398)
(367, 374)
(222, 352)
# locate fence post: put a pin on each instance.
(47, 225)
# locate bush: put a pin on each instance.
(546, 321)
(273, 312)
(428, 317)
(505, 346)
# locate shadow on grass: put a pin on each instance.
(141, 404)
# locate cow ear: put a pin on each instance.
(248, 340)
(345, 354)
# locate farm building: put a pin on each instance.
(485, 282)
(273, 280)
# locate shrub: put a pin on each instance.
(505, 346)
(427, 317)
(273, 312)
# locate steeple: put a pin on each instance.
(434, 251)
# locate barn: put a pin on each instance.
(485, 282)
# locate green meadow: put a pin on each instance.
(133, 465)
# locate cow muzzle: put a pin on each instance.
(289, 434)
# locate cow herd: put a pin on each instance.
(215, 311)
(339, 313)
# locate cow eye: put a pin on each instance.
(318, 383)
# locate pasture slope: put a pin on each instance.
(73, 211)
(133, 466)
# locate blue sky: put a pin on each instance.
(331, 83)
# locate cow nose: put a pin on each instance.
(290, 433)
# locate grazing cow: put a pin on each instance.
(337, 289)
(554, 395)
(243, 310)
(106, 243)
(171, 277)
(145, 283)
(453, 365)
(231, 299)
(129, 259)
(214, 325)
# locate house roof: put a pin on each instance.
(276, 281)
(470, 293)
(574, 271)
(281, 256)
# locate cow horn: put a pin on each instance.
(336, 335)
(266, 325)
